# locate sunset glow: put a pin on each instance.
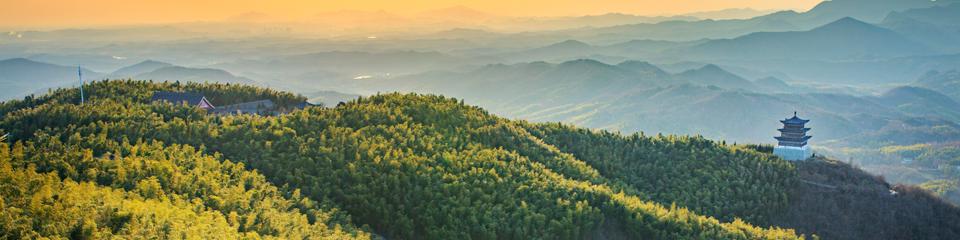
(66, 13)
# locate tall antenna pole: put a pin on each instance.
(80, 76)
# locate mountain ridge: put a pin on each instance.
(139, 68)
(843, 39)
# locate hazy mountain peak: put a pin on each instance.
(846, 23)
(149, 61)
(729, 13)
(845, 38)
(140, 68)
(27, 65)
(711, 68)
(636, 64)
(570, 44)
(31, 64)
(19, 61)
(713, 75)
(583, 62)
(939, 14)
(871, 11)
(643, 67)
(781, 14)
(911, 98)
(182, 68)
(712, 71)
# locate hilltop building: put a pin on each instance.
(792, 142)
(261, 107)
(191, 99)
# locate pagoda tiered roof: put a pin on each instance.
(794, 120)
(793, 133)
(793, 139)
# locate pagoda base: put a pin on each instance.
(793, 153)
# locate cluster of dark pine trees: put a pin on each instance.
(402, 166)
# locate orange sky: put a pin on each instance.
(65, 13)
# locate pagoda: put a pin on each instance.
(792, 142)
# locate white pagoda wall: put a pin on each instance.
(793, 153)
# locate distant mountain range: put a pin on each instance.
(844, 39)
(603, 20)
(353, 63)
(947, 82)
(862, 73)
(713, 75)
(730, 13)
(920, 101)
(937, 26)
(177, 73)
(94, 62)
(638, 96)
(21, 77)
(679, 30)
(573, 49)
(872, 11)
(140, 68)
(847, 51)
(517, 86)
(161, 71)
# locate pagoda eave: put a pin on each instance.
(792, 139)
(794, 121)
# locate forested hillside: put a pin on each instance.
(675, 169)
(824, 197)
(401, 166)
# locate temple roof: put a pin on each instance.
(794, 120)
(792, 129)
